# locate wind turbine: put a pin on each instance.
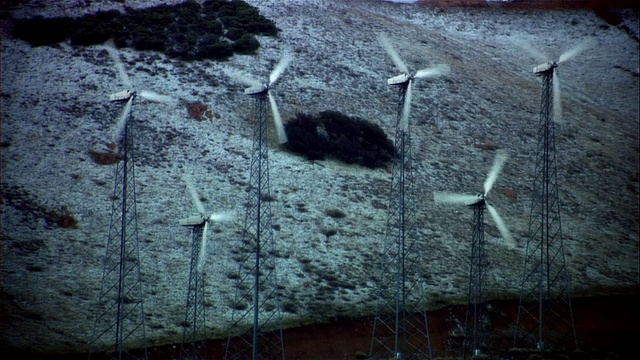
(129, 94)
(260, 90)
(545, 311)
(194, 335)
(256, 299)
(400, 327)
(120, 319)
(548, 69)
(477, 319)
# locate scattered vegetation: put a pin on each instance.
(106, 158)
(335, 213)
(333, 134)
(200, 111)
(22, 200)
(215, 29)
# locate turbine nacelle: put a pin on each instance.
(544, 68)
(257, 90)
(480, 200)
(399, 79)
(194, 220)
(122, 95)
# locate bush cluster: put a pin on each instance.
(188, 31)
(333, 134)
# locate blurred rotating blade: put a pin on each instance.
(457, 199)
(492, 176)
(406, 106)
(386, 44)
(111, 49)
(506, 235)
(203, 246)
(438, 70)
(221, 217)
(242, 77)
(574, 51)
(194, 196)
(557, 97)
(152, 96)
(535, 53)
(280, 67)
(282, 135)
(122, 121)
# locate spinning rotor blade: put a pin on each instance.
(280, 67)
(241, 77)
(506, 235)
(152, 96)
(535, 53)
(574, 51)
(557, 99)
(282, 135)
(498, 163)
(111, 49)
(457, 199)
(203, 247)
(122, 121)
(438, 70)
(386, 44)
(194, 196)
(406, 108)
(221, 217)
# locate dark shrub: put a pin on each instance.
(40, 31)
(187, 31)
(333, 134)
(247, 44)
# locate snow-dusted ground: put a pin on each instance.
(55, 110)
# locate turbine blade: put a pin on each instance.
(203, 246)
(155, 97)
(492, 176)
(458, 199)
(122, 121)
(388, 47)
(280, 67)
(506, 234)
(222, 217)
(282, 135)
(194, 195)
(111, 49)
(406, 108)
(242, 77)
(438, 70)
(574, 51)
(557, 97)
(535, 53)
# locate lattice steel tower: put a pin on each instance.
(477, 327)
(545, 317)
(400, 329)
(256, 329)
(120, 319)
(195, 320)
(477, 323)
